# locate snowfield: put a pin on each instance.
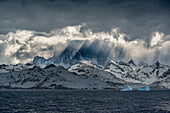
(84, 75)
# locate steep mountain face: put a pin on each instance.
(153, 74)
(72, 54)
(156, 75)
(120, 69)
(131, 62)
(38, 60)
(87, 68)
(85, 75)
(50, 77)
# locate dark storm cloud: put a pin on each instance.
(116, 29)
(138, 18)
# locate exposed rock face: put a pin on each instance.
(85, 75)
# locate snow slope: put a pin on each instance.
(156, 75)
(91, 70)
(50, 77)
(85, 75)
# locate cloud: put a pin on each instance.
(137, 18)
(157, 39)
(22, 46)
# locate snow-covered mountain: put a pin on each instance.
(87, 68)
(90, 77)
(85, 75)
(120, 69)
(49, 77)
(156, 75)
(71, 55)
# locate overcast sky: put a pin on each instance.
(144, 21)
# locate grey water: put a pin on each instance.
(102, 101)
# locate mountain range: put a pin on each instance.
(71, 55)
(54, 73)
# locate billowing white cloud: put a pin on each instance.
(157, 39)
(21, 46)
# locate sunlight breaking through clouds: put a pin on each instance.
(21, 46)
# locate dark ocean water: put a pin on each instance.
(84, 101)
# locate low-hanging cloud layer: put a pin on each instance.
(22, 46)
(118, 29)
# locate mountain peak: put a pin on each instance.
(131, 62)
(38, 59)
(112, 61)
(157, 64)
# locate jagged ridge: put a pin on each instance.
(85, 75)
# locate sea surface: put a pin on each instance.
(100, 101)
